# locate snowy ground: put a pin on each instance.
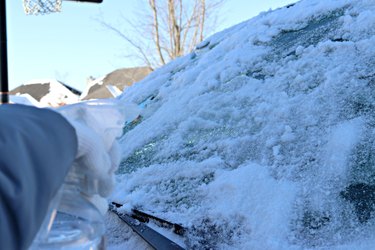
(252, 140)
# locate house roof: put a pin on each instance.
(120, 78)
(36, 90)
(73, 90)
(48, 92)
(40, 88)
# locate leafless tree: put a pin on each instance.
(168, 28)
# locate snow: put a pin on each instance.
(249, 140)
(121, 237)
(24, 99)
(91, 83)
(58, 95)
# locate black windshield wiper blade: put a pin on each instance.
(149, 235)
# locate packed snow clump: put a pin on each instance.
(263, 136)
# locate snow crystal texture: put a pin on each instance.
(251, 140)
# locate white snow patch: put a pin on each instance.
(249, 140)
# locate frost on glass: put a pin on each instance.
(289, 118)
(316, 30)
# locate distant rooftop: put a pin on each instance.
(120, 78)
(48, 92)
(39, 88)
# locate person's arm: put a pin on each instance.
(37, 148)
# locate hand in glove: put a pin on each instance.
(97, 125)
(95, 162)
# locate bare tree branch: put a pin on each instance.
(188, 26)
(135, 45)
(156, 29)
(202, 19)
(168, 29)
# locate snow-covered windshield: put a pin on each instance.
(262, 138)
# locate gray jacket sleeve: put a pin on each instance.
(37, 148)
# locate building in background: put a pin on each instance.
(114, 83)
(45, 93)
(54, 93)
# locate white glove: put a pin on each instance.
(95, 164)
(98, 124)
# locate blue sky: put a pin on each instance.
(72, 45)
